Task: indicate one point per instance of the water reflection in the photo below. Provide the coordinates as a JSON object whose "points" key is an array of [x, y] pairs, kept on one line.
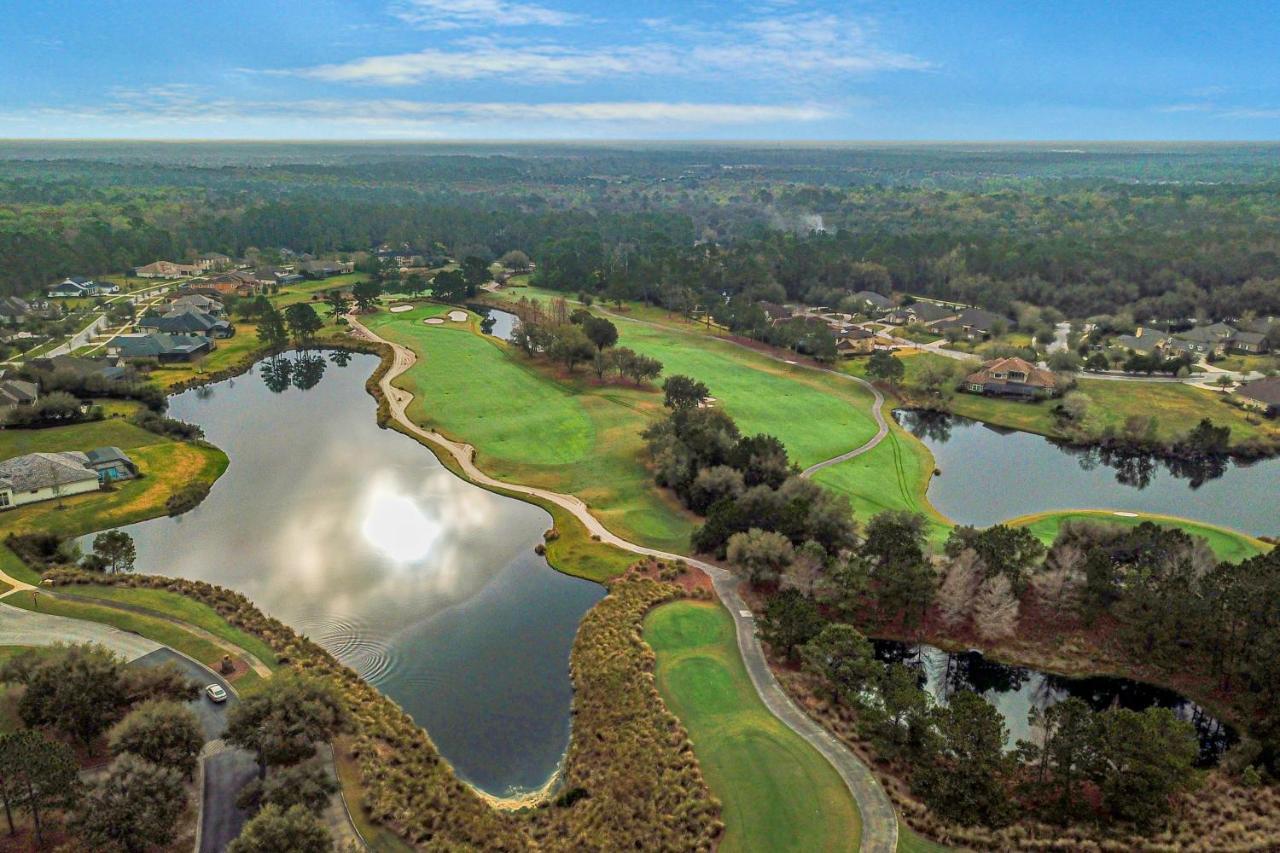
{"points": [[1017, 473], [1015, 690], [498, 323], [357, 536]]}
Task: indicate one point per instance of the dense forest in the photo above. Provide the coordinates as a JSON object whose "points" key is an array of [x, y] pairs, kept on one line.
{"points": [[1156, 232]]}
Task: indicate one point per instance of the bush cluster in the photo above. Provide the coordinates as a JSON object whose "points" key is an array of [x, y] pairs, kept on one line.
{"points": [[630, 781]]}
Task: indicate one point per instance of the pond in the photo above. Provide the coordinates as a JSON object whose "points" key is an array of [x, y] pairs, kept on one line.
{"points": [[426, 585], [990, 475], [1015, 690], [498, 323]]}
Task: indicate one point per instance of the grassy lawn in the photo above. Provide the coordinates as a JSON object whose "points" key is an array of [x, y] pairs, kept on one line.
{"points": [[165, 466], [303, 291], [159, 630], [180, 607], [1176, 407], [227, 353], [1226, 544], [778, 792], [567, 433], [529, 428], [111, 432], [893, 475]]}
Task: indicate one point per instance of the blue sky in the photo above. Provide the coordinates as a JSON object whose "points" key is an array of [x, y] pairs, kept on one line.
{"points": [[580, 69]]}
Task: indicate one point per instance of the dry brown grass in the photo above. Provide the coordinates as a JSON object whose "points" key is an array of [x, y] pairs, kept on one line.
{"points": [[630, 781]]}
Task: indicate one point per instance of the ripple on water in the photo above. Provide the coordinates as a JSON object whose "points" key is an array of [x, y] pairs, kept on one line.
{"points": [[354, 643]]}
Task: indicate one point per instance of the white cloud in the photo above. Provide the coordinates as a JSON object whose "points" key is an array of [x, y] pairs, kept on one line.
{"points": [[456, 14], [487, 58], [802, 47], [156, 109]]}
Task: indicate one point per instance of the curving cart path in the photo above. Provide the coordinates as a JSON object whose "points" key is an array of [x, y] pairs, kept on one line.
{"points": [[879, 821]]}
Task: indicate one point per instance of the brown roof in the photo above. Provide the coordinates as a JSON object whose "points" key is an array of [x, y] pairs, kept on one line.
{"points": [[998, 369], [1263, 390]]}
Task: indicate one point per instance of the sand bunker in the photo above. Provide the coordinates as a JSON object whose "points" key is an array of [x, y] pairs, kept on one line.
{"points": [[400, 309], [434, 321], [458, 316]]}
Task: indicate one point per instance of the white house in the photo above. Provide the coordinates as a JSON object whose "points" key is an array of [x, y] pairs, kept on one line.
{"points": [[45, 476]]}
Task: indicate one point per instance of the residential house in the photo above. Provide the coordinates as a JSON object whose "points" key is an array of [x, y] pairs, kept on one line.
{"points": [[84, 367], [189, 321], [1251, 343], [1144, 342], [166, 269], [198, 302], [111, 464], [239, 284], [213, 261], [918, 313], [163, 348], [1012, 377], [871, 302], [14, 310], [15, 393], [855, 341], [44, 476], [327, 269], [1262, 395], [775, 313], [973, 324], [1206, 340], [81, 286]]}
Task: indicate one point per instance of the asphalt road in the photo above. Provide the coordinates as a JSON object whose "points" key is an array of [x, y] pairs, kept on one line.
{"points": [[20, 627], [225, 773], [226, 770], [213, 717]]}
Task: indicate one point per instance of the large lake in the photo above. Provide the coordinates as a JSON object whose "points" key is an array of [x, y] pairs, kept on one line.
{"points": [[358, 537], [990, 475]]}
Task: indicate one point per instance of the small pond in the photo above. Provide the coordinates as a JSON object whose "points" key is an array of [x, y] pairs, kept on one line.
{"points": [[1015, 690], [990, 475], [498, 323], [358, 537]]}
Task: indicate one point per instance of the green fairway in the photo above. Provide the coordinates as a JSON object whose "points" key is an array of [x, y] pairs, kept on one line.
{"points": [[894, 475], [1226, 544], [528, 427], [778, 792], [816, 415]]}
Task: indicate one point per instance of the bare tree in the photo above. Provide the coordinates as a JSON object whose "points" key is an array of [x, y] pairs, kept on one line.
{"points": [[995, 609], [807, 569], [1059, 585], [960, 581]]}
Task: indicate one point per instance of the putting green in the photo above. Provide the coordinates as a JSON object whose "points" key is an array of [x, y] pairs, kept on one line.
{"points": [[778, 792], [1226, 544]]}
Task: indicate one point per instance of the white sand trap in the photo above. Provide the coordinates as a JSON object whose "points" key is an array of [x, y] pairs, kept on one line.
{"points": [[400, 309], [458, 316], [1126, 514], [434, 321]]}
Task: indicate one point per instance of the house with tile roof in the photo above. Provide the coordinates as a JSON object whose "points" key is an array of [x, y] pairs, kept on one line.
{"points": [[44, 476], [1012, 377]]}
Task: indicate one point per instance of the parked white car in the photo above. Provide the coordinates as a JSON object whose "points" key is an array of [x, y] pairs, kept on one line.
{"points": [[216, 693]]}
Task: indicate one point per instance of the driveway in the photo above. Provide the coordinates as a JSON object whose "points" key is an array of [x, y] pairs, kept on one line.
{"points": [[213, 717], [20, 627], [226, 769], [225, 773]]}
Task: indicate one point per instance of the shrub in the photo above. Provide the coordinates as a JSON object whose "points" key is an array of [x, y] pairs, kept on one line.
{"points": [[187, 498]]}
